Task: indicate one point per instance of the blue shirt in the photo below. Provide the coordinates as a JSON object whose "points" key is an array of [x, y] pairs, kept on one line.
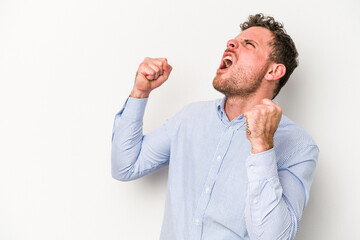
{"points": [[217, 189]]}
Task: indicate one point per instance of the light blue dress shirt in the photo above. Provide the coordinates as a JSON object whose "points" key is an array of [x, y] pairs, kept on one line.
{"points": [[217, 189]]}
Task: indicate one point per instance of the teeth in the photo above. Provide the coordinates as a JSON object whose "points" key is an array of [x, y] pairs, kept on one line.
{"points": [[228, 58], [227, 61]]}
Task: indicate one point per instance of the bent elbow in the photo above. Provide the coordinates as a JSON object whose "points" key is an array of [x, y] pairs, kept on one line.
{"points": [[119, 178], [120, 170], [118, 175]]}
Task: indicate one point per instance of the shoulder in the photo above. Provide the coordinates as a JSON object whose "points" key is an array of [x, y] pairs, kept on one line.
{"points": [[201, 105], [291, 131], [291, 139], [199, 109], [192, 113]]}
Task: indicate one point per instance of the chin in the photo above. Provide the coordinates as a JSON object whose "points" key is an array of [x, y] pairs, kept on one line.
{"points": [[219, 77], [217, 81], [219, 85]]}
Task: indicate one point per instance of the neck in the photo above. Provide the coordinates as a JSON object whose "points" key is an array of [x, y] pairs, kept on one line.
{"points": [[237, 105]]}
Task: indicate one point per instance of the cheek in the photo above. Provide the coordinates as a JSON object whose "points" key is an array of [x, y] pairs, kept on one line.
{"points": [[242, 70], [262, 60], [253, 65], [247, 61], [254, 57]]}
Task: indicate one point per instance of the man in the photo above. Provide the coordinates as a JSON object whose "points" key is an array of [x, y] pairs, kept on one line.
{"points": [[238, 168]]}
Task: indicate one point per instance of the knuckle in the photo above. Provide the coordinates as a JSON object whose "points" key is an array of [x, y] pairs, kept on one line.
{"points": [[251, 112], [272, 109], [142, 65], [158, 64], [162, 59], [266, 101], [151, 71], [155, 68], [254, 111]]}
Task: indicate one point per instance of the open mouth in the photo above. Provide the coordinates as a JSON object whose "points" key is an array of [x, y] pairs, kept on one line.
{"points": [[226, 62]]}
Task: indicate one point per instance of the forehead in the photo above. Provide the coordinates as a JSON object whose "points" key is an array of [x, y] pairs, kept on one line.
{"points": [[259, 34]]}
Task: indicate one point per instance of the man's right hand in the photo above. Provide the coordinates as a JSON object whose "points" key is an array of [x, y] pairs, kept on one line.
{"points": [[151, 74]]}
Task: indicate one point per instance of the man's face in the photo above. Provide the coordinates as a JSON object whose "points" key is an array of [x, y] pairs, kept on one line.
{"points": [[244, 63]]}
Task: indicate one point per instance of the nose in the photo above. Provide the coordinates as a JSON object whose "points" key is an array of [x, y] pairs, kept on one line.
{"points": [[232, 44]]}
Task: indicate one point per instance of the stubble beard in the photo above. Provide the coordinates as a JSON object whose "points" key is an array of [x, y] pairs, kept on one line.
{"points": [[241, 84]]}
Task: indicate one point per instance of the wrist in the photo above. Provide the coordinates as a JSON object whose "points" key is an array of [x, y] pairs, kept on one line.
{"points": [[258, 147], [139, 94]]}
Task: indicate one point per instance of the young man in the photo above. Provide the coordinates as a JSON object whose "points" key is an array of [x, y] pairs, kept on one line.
{"points": [[238, 168]]}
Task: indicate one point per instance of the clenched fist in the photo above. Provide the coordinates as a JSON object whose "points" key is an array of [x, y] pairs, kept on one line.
{"points": [[151, 74], [261, 124]]}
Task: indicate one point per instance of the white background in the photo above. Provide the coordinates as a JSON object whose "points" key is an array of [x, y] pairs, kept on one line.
{"points": [[66, 68]]}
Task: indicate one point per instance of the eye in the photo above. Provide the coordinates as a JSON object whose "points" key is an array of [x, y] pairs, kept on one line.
{"points": [[249, 43]]}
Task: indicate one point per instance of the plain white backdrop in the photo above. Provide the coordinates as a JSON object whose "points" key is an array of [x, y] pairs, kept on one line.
{"points": [[66, 68]]}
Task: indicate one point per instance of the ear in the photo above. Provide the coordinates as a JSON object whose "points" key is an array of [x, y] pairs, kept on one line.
{"points": [[275, 72]]}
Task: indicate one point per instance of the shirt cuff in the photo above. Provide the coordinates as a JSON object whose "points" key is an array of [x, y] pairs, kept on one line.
{"points": [[134, 108], [262, 166]]}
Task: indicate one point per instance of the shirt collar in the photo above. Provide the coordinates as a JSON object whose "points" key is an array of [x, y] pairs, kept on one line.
{"points": [[237, 122], [220, 103]]}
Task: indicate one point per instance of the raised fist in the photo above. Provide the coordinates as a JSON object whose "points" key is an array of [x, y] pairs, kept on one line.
{"points": [[151, 73], [261, 124]]}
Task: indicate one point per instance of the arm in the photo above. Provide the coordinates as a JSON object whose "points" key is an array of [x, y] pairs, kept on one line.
{"points": [[276, 197], [133, 154]]}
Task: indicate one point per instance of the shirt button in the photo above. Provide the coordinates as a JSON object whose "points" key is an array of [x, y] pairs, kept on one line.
{"points": [[207, 190], [230, 127], [218, 157], [197, 221], [252, 168], [255, 201]]}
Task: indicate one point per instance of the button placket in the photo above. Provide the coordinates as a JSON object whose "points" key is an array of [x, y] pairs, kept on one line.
{"points": [[216, 163]]}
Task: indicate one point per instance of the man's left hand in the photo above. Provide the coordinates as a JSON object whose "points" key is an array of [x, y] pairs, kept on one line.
{"points": [[261, 123]]}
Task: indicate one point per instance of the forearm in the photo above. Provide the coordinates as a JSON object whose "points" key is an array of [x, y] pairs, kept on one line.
{"points": [[268, 214], [134, 154], [127, 138], [272, 219]]}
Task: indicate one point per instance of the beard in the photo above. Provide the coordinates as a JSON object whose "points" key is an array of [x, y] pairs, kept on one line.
{"points": [[242, 83]]}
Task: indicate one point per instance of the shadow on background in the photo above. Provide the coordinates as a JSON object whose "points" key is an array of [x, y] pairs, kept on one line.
{"points": [[291, 99]]}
